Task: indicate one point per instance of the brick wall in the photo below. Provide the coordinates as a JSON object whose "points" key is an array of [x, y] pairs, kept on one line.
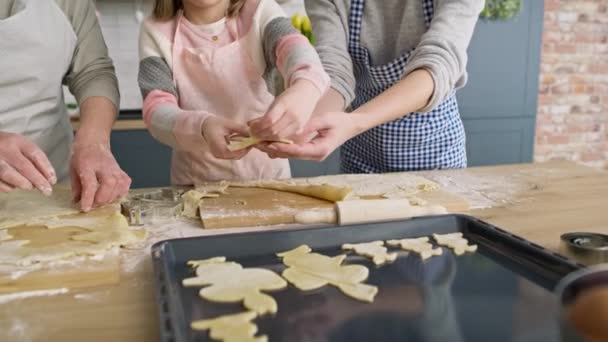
{"points": [[572, 118]]}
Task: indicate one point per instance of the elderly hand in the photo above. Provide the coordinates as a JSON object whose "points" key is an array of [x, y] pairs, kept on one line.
{"points": [[23, 165], [96, 177]]}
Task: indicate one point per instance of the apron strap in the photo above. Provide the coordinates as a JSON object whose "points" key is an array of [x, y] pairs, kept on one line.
{"points": [[354, 22]]}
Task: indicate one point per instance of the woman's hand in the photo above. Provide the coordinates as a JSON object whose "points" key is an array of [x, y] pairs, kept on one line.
{"points": [[320, 137], [217, 131], [23, 165], [288, 114], [97, 179]]}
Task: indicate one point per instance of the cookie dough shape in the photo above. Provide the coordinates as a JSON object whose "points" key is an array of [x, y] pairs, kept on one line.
{"points": [[238, 143], [321, 191], [231, 328], [310, 271], [375, 250], [229, 282], [87, 234], [420, 246], [456, 242]]}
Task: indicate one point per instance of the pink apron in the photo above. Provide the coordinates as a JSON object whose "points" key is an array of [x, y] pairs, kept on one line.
{"points": [[223, 81]]}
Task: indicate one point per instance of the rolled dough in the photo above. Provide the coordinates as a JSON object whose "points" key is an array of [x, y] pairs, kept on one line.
{"points": [[82, 234], [231, 328], [20, 207], [310, 271], [375, 250], [238, 143], [229, 282], [322, 191]]}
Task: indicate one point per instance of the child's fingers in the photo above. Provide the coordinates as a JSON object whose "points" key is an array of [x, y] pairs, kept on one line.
{"points": [[234, 127], [269, 119]]}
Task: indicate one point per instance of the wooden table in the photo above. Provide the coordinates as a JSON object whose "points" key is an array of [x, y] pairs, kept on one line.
{"points": [[536, 201]]}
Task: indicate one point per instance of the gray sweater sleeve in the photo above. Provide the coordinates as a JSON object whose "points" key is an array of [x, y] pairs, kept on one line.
{"points": [[91, 72], [443, 48], [331, 40]]}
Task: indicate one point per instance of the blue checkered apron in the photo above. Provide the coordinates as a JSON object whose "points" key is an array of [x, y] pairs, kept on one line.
{"points": [[418, 141]]}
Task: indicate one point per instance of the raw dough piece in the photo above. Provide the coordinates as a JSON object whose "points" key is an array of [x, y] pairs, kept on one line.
{"points": [[4, 235], [421, 246], [238, 143], [20, 207], [374, 250], [82, 234], [231, 328], [213, 188], [310, 271], [366, 186], [191, 201], [230, 282], [456, 242], [322, 191]]}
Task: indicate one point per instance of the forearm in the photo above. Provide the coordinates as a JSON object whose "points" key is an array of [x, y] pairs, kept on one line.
{"points": [[97, 115], [406, 96], [332, 101]]}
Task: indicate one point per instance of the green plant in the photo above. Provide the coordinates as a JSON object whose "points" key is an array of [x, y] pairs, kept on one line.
{"points": [[501, 9]]}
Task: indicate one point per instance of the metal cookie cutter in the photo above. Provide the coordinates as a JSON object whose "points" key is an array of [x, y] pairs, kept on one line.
{"points": [[146, 207], [589, 248]]}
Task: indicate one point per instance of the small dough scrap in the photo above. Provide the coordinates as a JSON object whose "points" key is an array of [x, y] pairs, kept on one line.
{"points": [[231, 328], [420, 246], [238, 143], [427, 186], [310, 271], [456, 242], [229, 282], [191, 201], [374, 250], [322, 191], [213, 188]]}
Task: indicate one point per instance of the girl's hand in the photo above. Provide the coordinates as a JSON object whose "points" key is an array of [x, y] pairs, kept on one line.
{"points": [[321, 136], [289, 112], [217, 131]]}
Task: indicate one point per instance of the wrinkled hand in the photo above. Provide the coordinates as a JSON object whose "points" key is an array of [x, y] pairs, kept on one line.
{"points": [[96, 177], [288, 114], [321, 136], [217, 131], [23, 165]]}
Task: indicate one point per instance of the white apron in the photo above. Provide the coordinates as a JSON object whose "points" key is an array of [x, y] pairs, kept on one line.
{"points": [[36, 47]]}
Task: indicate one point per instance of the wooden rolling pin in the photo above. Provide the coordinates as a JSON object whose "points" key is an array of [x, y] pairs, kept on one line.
{"points": [[362, 211]]}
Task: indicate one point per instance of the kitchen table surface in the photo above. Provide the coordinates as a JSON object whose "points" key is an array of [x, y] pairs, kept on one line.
{"points": [[536, 201]]}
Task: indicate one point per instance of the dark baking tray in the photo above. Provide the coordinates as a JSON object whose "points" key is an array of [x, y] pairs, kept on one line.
{"points": [[503, 292]]}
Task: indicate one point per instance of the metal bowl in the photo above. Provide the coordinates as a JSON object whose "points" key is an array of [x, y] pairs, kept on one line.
{"points": [[570, 289]]}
